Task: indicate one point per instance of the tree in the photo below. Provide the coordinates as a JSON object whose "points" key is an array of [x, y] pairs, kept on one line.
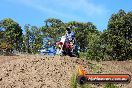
{"points": [[26, 39], [53, 28], [11, 34], [36, 39], [83, 33], [118, 36], [33, 39]]}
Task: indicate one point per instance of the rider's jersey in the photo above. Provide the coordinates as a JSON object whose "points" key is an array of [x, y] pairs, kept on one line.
{"points": [[70, 36]]}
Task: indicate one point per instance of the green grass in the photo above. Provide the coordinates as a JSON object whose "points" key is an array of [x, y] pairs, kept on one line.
{"points": [[110, 85], [73, 83], [85, 86]]}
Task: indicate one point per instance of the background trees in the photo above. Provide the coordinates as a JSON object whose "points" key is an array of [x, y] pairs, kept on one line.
{"points": [[115, 42], [117, 39], [53, 28], [83, 32], [10, 35], [32, 40]]}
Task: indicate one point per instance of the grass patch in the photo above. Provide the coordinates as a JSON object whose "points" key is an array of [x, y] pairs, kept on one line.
{"points": [[83, 55], [85, 86], [73, 83], [110, 85]]}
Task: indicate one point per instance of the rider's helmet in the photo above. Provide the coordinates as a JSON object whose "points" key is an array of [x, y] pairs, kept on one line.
{"points": [[68, 30]]}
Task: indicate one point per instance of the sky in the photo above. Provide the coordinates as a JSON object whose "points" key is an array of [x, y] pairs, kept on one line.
{"points": [[34, 12]]}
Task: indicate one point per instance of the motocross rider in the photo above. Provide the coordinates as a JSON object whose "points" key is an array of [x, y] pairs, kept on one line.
{"points": [[69, 34], [70, 37]]}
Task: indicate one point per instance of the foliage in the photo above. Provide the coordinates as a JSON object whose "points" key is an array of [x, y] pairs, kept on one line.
{"points": [[32, 40], [109, 85], [73, 83], [85, 86], [117, 39], [10, 34], [82, 33], [114, 43], [53, 28]]}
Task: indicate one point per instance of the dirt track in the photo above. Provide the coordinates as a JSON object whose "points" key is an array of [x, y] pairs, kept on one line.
{"points": [[35, 71]]}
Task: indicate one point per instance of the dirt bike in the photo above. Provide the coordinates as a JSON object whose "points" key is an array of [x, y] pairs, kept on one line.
{"points": [[67, 47]]}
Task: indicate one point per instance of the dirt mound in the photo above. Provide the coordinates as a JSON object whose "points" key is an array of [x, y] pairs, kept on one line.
{"points": [[37, 71]]}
